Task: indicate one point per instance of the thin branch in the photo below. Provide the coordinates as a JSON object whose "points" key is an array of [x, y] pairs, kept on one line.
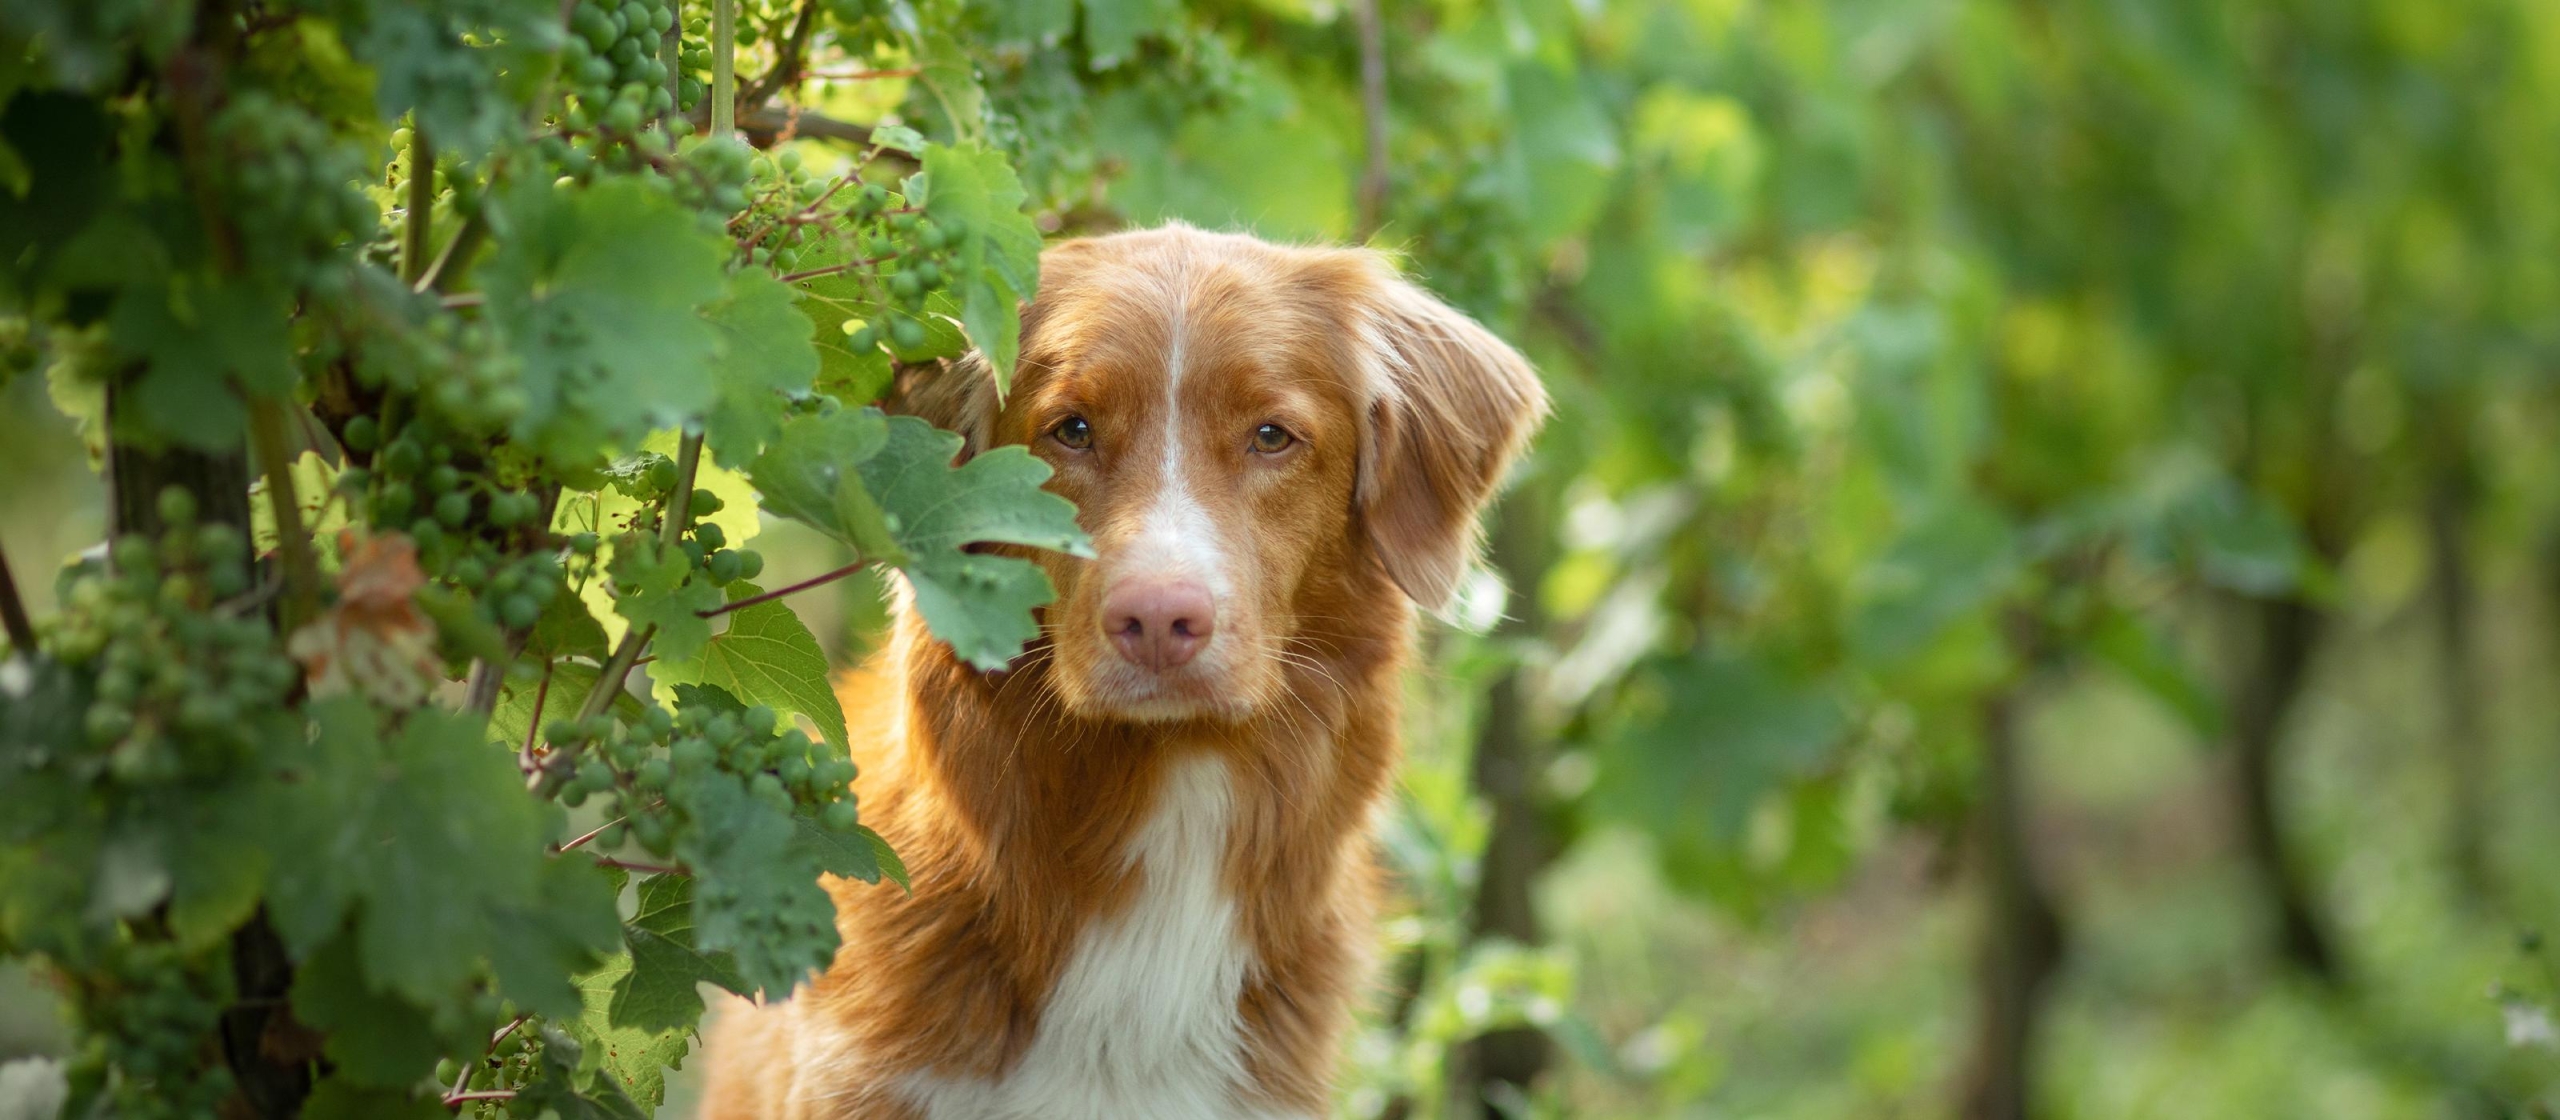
{"points": [[1373, 115], [642, 868], [465, 241], [616, 667], [791, 62], [533, 724], [457, 1100], [415, 225], [830, 270], [13, 613], [591, 834], [460, 300], [794, 589], [293, 544], [677, 514]]}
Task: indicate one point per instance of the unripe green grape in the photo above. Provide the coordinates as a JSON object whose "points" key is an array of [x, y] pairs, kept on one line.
{"points": [[768, 789], [361, 434], [393, 501], [426, 534], [585, 544], [519, 611], [864, 339], [444, 477], [706, 503], [662, 476], [624, 116], [690, 755], [710, 535], [905, 285], [841, 816], [907, 333], [652, 775], [929, 274], [453, 509], [750, 563], [177, 507], [404, 457], [760, 721]]}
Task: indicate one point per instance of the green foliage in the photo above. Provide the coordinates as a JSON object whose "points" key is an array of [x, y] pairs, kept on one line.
{"points": [[475, 255]]}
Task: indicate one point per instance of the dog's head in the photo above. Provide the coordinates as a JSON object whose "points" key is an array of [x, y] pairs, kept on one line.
{"points": [[1259, 438]]}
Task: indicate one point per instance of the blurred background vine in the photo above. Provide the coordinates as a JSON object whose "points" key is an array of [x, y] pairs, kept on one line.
{"points": [[2041, 595]]}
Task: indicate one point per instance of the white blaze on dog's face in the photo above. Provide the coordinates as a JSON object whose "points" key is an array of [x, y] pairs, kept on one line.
{"points": [[1261, 439]]}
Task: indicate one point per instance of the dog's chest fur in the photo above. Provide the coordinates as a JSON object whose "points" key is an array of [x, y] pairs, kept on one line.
{"points": [[1143, 1021]]}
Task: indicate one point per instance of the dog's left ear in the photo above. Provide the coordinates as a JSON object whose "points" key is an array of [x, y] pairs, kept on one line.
{"points": [[1450, 407]]}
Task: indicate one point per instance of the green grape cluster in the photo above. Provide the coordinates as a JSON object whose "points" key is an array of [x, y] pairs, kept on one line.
{"points": [[717, 184], [458, 193], [457, 371], [467, 527], [180, 678], [145, 1015], [921, 250], [650, 478], [611, 62], [293, 185], [512, 1063], [649, 769]]}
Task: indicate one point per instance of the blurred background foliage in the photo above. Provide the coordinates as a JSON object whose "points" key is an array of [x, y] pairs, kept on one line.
{"points": [[2038, 598]]}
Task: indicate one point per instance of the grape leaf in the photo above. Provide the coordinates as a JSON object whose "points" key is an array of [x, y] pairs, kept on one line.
{"points": [[765, 359], [859, 854], [756, 894], [635, 1061], [769, 657], [598, 288], [374, 1038], [979, 602], [1112, 28], [427, 831], [996, 266], [799, 475], [572, 1083], [534, 951], [658, 992], [656, 586]]}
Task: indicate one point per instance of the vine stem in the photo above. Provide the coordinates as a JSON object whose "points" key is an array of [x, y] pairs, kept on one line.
{"points": [[533, 724], [677, 514], [794, 589], [301, 568], [724, 67], [415, 226], [13, 612], [453, 1099]]}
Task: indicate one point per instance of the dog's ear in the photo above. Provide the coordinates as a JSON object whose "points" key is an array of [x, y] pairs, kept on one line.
{"points": [[1450, 406], [958, 394]]}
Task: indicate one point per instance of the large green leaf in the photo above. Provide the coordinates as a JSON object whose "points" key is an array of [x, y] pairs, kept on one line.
{"points": [[600, 290], [996, 267], [766, 358], [767, 656]]}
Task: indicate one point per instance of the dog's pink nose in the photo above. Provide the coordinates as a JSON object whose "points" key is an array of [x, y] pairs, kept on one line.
{"points": [[1159, 624]]}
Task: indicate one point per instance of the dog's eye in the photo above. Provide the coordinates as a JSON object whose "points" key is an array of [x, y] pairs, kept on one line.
{"points": [[1272, 439], [1073, 433]]}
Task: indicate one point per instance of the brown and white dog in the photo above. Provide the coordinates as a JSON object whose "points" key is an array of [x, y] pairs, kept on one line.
{"points": [[1143, 868]]}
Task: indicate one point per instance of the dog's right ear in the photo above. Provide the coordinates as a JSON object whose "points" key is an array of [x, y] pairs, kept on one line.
{"points": [[958, 394]]}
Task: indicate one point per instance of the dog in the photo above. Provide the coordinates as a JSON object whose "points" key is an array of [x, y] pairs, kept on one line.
{"points": [[1143, 863]]}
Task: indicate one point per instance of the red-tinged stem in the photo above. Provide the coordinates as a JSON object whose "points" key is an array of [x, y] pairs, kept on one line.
{"points": [[794, 589], [533, 725], [453, 1100], [643, 868]]}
